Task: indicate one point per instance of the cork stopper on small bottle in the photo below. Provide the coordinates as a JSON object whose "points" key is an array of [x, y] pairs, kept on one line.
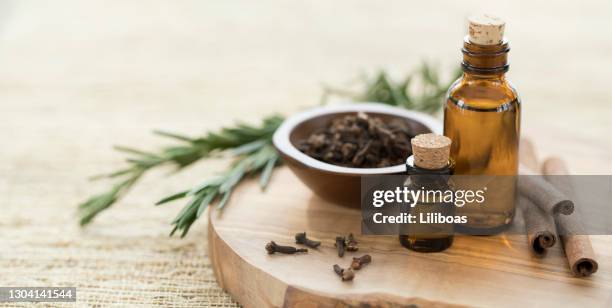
{"points": [[486, 29], [431, 151]]}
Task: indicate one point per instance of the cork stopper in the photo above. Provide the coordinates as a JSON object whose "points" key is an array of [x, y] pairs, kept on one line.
{"points": [[486, 29], [431, 151]]}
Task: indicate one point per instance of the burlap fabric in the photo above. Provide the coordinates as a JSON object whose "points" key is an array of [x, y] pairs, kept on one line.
{"points": [[125, 258]]}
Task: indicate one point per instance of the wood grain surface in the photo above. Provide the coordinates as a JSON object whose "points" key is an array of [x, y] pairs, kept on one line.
{"points": [[497, 271]]}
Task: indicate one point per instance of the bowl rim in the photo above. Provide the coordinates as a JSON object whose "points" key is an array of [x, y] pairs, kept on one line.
{"points": [[283, 144]]}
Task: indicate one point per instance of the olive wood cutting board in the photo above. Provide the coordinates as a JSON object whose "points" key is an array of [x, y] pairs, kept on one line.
{"points": [[476, 271]]}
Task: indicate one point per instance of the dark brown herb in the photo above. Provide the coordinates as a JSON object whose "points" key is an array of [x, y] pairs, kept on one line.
{"points": [[272, 247], [351, 243], [358, 263], [340, 245], [360, 141], [300, 238], [345, 274]]}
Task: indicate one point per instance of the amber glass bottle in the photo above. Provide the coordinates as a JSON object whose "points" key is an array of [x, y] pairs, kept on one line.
{"points": [[482, 117], [428, 237], [428, 169]]}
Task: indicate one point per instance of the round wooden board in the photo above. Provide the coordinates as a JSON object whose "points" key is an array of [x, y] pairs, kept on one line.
{"points": [[482, 271]]}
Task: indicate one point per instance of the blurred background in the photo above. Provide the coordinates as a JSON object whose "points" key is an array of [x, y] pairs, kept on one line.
{"points": [[77, 77]]}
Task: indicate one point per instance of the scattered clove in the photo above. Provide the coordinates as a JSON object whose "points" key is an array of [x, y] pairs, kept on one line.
{"points": [[340, 245], [345, 274], [351, 243], [272, 247], [358, 263], [300, 238]]}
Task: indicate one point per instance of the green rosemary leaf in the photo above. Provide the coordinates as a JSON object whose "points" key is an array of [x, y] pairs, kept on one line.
{"points": [[235, 175], [429, 74], [186, 229], [173, 230], [186, 209], [188, 216], [214, 181], [257, 161], [183, 156], [173, 135], [100, 203], [249, 147], [112, 174], [261, 161], [173, 197], [429, 97], [204, 204], [134, 151], [90, 208], [266, 174], [224, 200], [398, 97], [140, 163]]}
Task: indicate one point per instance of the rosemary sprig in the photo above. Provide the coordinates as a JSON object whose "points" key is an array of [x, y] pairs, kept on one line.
{"points": [[422, 90], [192, 150], [256, 157], [251, 148]]}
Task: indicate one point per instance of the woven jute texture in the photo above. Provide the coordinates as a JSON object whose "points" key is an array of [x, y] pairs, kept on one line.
{"points": [[118, 261]]}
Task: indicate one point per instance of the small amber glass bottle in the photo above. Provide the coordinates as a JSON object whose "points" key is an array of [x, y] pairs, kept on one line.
{"points": [[428, 169], [482, 117]]}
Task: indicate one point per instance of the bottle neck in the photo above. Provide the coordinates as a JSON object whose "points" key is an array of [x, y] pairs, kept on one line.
{"points": [[413, 169], [495, 77], [485, 60]]}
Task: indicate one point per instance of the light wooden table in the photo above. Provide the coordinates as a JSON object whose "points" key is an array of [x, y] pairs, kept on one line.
{"points": [[77, 77]]}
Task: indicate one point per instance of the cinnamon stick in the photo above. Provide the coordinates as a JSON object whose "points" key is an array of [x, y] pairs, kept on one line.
{"points": [[550, 199], [540, 227], [538, 190], [575, 241]]}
